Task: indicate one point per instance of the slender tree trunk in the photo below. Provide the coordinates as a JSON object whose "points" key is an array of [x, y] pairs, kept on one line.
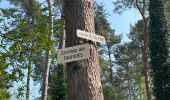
{"points": [[145, 61], [31, 16], [63, 38], [129, 90], [28, 76], [83, 83], [142, 11], [48, 53], [110, 64], [111, 70], [45, 79], [28, 82]]}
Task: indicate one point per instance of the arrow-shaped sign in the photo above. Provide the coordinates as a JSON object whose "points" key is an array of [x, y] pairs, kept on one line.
{"points": [[90, 36]]}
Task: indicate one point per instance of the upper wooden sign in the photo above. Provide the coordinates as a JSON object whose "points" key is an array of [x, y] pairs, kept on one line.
{"points": [[90, 36]]}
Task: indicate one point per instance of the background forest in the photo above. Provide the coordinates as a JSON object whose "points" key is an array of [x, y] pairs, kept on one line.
{"points": [[31, 32]]}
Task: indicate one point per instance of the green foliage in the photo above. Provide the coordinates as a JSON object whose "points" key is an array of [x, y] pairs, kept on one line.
{"points": [[122, 5], [128, 70], [130, 76], [159, 45], [167, 11], [109, 93], [102, 27], [4, 80], [58, 85], [4, 94], [136, 34], [106, 52], [24, 36]]}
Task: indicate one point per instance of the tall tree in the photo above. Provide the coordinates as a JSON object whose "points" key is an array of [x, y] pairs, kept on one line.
{"points": [[142, 6], [158, 43], [129, 72], [48, 53], [83, 83]]}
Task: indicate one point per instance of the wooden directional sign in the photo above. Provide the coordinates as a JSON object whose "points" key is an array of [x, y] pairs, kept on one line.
{"points": [[74, 53], [90, 36]]}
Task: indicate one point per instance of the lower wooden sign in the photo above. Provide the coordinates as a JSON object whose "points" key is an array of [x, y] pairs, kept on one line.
{"points": [[73, 53]]}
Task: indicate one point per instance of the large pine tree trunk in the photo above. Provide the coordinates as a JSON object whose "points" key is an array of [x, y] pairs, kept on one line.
{"points": [[83, 83]]}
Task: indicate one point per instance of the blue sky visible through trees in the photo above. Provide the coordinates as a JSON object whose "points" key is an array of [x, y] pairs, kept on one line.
{"points": [[120, 22]]}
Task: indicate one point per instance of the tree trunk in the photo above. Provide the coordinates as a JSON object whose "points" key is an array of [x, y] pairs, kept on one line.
{"points": [[28, 76], [28, 82], [110, 64], [142, 11], [47, 64], [31, 16], [45, 78], [83, 83], [145, 61]]}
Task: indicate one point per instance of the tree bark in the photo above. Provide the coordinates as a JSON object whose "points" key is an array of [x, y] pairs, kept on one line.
{"points": [[145, 61], [45, 78], [83, 83], [47, 64]]}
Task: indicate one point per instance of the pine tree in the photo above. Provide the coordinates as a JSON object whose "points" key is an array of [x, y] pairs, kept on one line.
{"points": [[83, 83], [158, 43]]}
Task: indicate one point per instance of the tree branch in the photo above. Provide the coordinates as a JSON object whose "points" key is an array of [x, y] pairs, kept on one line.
{"points": [[141, 11], [4, 48]]}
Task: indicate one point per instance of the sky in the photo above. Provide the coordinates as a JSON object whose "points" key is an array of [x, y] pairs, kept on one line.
{"points": [[121, 24]]}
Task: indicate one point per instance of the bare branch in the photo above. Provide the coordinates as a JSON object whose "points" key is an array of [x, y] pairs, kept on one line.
{"points": [[59, 4], [4, 48], [141, 10]]}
